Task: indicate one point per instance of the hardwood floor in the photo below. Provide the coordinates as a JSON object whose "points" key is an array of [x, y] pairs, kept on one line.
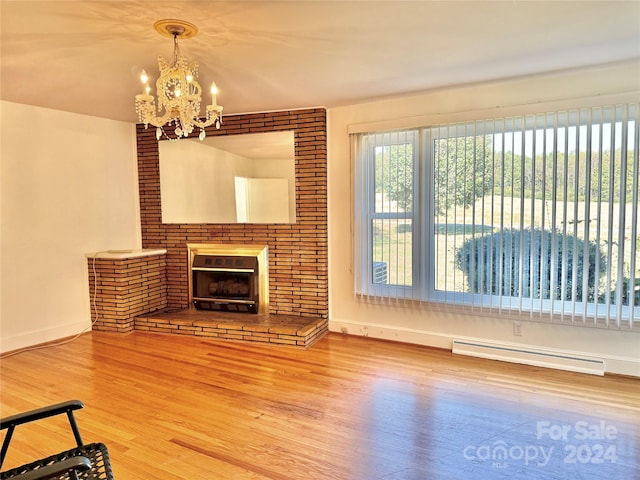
{"points": [[174, 407]]}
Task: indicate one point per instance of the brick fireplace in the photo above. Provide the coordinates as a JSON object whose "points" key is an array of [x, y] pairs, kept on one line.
{"points": [[298, 258]]}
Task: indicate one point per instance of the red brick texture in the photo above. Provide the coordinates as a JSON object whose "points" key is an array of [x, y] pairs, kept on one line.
{"points": [[122, 289], [298, 258], [285, 330]]}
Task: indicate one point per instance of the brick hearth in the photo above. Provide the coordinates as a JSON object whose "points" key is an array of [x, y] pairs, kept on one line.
{"points": [[272, 329], [128, 293]]}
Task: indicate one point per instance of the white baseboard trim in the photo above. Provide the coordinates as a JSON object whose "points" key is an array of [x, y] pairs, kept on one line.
{"points": [[611, 363], [38, 337], [383, 332]]}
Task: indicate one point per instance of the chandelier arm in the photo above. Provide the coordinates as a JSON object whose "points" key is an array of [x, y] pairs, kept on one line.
{"points": [[206, 123], [158, 121]]}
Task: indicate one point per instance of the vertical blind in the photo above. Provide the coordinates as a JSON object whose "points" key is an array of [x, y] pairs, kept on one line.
{"points": [[534, 215], [386, 174]]}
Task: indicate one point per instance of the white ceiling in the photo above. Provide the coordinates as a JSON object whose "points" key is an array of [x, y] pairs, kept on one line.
{"points": [[85, 56]]}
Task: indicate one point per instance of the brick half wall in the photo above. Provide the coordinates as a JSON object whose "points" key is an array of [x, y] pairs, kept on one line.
{"points": [[298, 257], [122, 289]]}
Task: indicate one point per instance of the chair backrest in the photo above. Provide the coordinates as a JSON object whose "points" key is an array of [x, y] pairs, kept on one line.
{"points": [[10, 423]]}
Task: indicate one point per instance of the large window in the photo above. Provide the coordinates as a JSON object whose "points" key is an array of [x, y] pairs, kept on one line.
{"points": [[535, 215]]}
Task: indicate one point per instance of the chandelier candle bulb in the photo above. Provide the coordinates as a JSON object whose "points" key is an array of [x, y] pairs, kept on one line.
{"points": [[214, 92], [144, 79]]}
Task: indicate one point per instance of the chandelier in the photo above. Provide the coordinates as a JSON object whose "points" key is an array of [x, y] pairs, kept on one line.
{"points": [[177, 89]]}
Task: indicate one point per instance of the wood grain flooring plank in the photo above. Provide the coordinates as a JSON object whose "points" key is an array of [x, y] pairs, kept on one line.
{"points": [[349, 408]]}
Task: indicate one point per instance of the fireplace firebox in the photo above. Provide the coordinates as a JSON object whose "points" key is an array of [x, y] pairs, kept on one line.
{"points": [[229, 278], [224, 282]]}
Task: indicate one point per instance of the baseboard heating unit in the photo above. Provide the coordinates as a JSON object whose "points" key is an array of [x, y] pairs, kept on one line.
{"points": [[529, 356]]}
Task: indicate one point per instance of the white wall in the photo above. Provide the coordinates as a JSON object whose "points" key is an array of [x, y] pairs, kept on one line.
{"points": [[620, 350], [68, 188]]}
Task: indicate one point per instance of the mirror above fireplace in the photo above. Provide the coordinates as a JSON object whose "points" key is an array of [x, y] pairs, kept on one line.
{"points": [[217, 180]]}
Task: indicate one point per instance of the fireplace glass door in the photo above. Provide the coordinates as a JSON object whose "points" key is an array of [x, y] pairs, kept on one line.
{"points": [[227, 283]]}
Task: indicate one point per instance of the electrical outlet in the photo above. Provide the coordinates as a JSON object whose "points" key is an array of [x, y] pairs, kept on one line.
{"points": [[517, 329]]}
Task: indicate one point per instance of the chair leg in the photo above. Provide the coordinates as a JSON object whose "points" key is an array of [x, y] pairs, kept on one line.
{"points": [[74, 427], [5, 444]]}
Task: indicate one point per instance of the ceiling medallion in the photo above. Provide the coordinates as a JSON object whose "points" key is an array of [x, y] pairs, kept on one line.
{"points": [[177, 89]]}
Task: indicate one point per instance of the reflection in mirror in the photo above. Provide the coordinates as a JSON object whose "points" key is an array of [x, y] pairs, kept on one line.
{"points": [[247, 178], [250, 204]]}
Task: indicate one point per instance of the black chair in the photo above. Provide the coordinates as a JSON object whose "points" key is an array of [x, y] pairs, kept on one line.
{"points": [[84, 462]]}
